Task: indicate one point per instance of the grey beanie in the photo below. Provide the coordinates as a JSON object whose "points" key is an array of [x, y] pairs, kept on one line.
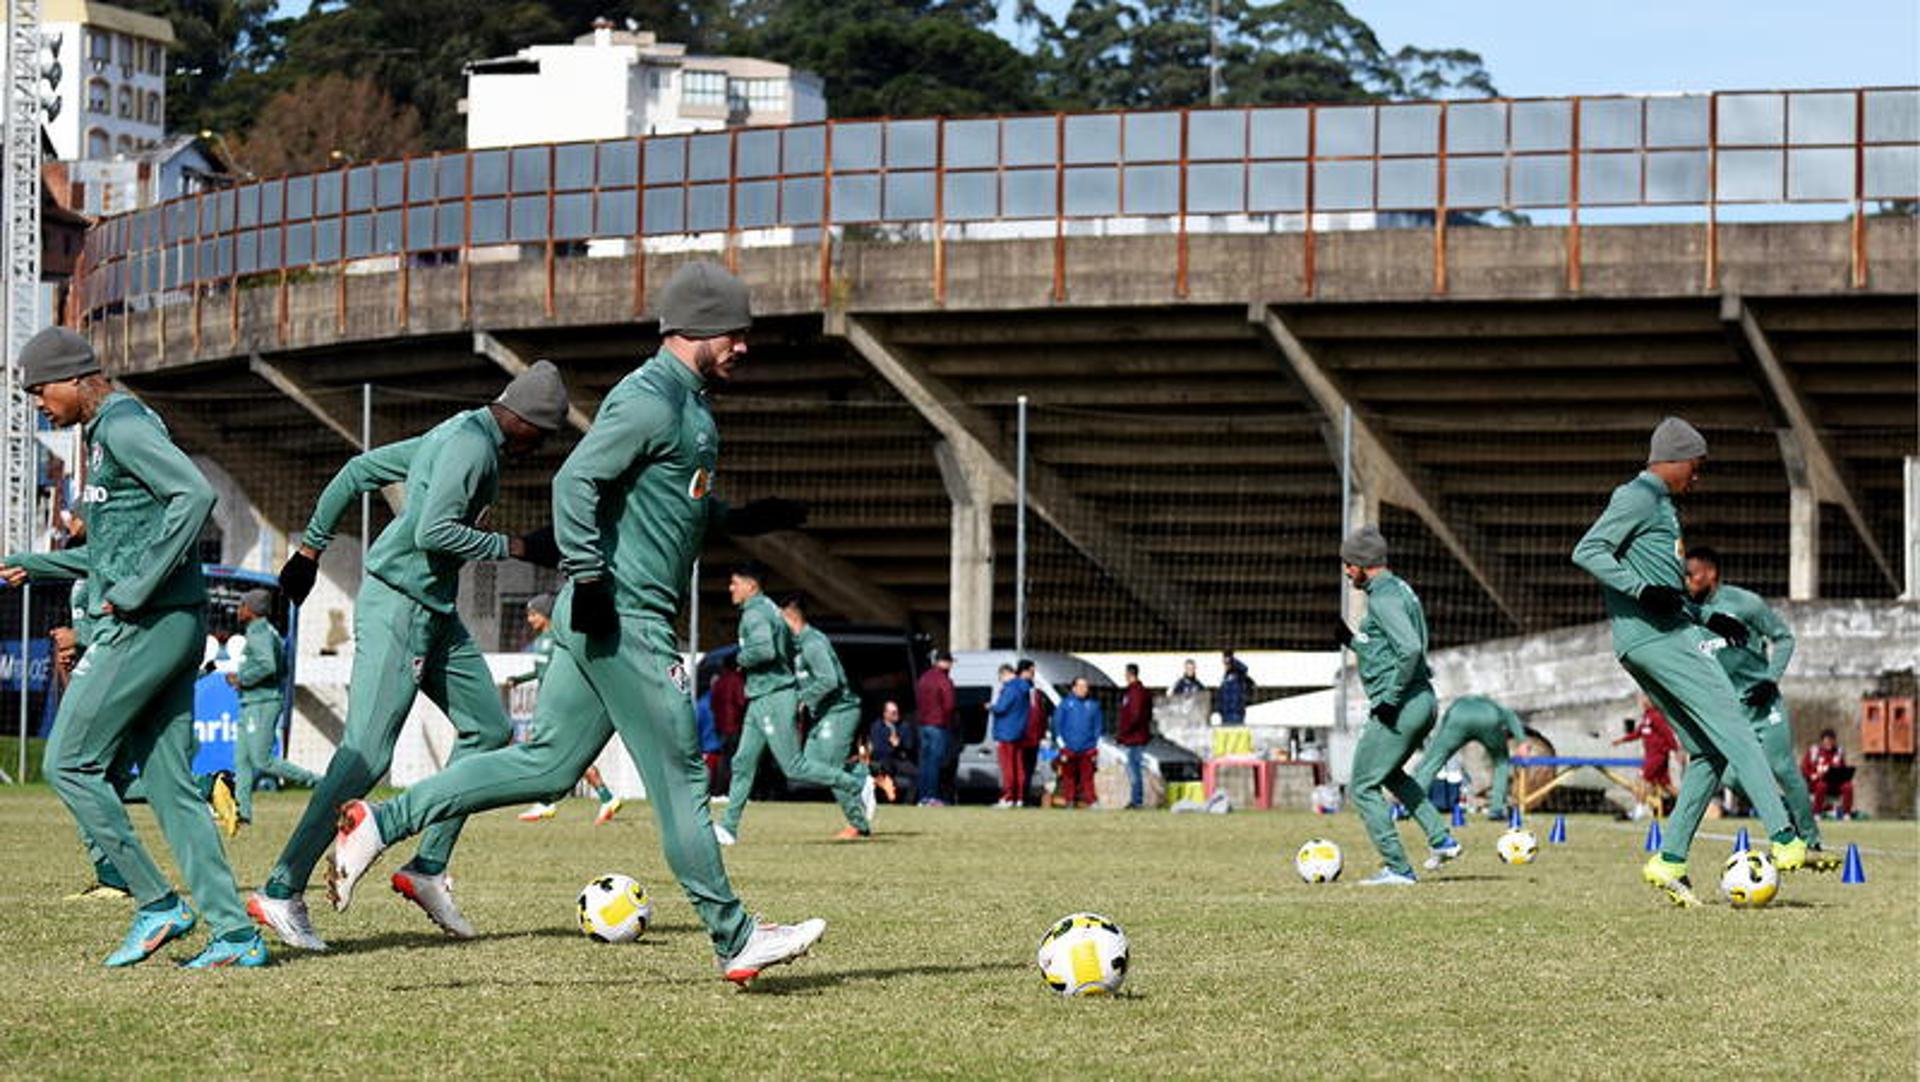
{"points": [[1676, 441], [542, 604], [702, 300], [260, 601], [56, 354], [538, 396], [1365, 547]]}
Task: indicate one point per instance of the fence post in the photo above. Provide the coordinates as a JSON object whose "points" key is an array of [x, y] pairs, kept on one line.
{"points": [[1346, 527]]}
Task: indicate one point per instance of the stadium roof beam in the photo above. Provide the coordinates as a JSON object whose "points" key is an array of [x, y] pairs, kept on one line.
{"points": [[1825, 469], [298, 393], [1397, 478], [1079, 522], [802, 558]]}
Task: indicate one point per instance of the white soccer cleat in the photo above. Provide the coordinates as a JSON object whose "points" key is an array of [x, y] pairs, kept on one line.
{"points": [[608, 810], [434, 895], [537, 813], [772, 945], [1387, 877], [355, 847], [723, 835], [1443, 854], [868, 802], [288, 918]]}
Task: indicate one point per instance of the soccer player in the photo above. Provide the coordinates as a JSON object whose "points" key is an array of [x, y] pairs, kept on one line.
{"points": [[770, 658], [540, 619], [1485, 722], [632, 505], [1391, 645], [1755, 668], [130, 701], [835, 711], [408, 637], [1657, 745], [259, 681], [1635, 550]]}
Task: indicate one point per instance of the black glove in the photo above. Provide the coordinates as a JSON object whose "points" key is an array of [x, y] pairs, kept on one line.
{"points": [[593, 608], [1728, 627], [539, 549], [1387, 713], [1662, 600], [1763, 693], [297, 576], [1342, 634], [766, 516]]}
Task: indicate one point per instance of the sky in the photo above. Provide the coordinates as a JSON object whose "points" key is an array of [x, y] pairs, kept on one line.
{"points": [[1560, 47]]}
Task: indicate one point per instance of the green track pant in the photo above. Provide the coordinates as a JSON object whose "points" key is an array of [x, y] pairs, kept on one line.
{"points": [[1693, 691], [1775, 730], [253, 754], [829, 743], [133, 691], [401, 648], [633, 685], [770, 726], [1451, 738], [1377, 763]]}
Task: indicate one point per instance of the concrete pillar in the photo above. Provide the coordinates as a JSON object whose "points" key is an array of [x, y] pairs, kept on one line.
{"points": [[1912, 518], [1803, 522], [969, 483]]}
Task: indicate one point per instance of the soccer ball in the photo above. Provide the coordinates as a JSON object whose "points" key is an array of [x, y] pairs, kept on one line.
{"points": [[1517, 847], [1750, 881], [1084, 955], [1318, 861], [614, 909]]}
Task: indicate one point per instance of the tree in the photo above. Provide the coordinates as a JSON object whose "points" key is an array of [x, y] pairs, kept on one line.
{"points": [[320, 122]]}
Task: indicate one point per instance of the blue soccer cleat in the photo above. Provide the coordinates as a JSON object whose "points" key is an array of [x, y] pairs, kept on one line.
{"points": [[1387, 877], [152, 930], [250, 953]]}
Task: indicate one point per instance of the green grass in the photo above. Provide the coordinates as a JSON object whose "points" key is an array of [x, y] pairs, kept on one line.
{"points": [[1565, 967], [10, 757]]}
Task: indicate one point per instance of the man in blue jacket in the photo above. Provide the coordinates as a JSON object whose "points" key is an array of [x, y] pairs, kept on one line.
{"points": [[1236, 687], [1078, 725], [1009, 713]]}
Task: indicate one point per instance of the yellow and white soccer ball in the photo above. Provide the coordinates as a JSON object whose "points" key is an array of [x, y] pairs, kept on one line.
{"points": [[1084, 955], [1318, 861], [1750, 879], [1517, 847], [615, 909]]}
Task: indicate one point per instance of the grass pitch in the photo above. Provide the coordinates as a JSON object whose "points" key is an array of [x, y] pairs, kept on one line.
{"points": [[1565, 967]]}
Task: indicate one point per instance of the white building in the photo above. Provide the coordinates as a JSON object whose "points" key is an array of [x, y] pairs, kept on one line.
{"points": [[609, 84], [113, 78]]}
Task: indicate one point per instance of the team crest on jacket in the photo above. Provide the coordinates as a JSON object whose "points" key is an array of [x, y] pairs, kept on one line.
{"points": [[96, 455], [700, 484], [419, 669], [677, 673]]}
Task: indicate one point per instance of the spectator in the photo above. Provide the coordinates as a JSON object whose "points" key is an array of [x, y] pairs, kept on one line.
{"points": [[1657, 745], [1189, 682], [1828, 774], [727, 698], [1236, 687], [1136, 731], [1078, 724], [1009, 710], [895, 750], [1039, 714], [938, 715]]}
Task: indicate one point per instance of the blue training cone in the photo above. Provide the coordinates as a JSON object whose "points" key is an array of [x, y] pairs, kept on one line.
{"points": [[1854, 871], [1742, 841], [1513, 817], [1459, 815], [1653, 837], [1558, 835]]}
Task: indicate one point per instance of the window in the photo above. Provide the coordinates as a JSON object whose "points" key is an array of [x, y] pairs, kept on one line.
{"points": [[761, 95], [126, 53], [123, 144], [99, 47], [703, 88], [153, 107], [126, 103], [156, 60], [99, 97], [98, 146]]}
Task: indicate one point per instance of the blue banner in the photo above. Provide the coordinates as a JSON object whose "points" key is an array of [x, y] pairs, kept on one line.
{"points": [[216, 723], [39, 664]]}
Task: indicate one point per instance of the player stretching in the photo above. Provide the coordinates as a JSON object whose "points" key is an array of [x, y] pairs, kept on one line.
{"points": [[1755, 669], [631, 507], [1391, 645], [1635, 551], [835, 711], [540, 619], [1483, 721], [407, 636], [130, 702]]}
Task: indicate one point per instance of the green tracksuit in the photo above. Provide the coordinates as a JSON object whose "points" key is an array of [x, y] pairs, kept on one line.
{"points": [[1635, 544], [1764, 658], [1485, 722], [631, 505], [408, 639], [542, 650], [836, 721], [1391, 644], [130, 702], [259, 680]]}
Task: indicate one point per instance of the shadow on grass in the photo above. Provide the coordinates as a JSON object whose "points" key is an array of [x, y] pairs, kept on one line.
{"points": [[784, 983]]}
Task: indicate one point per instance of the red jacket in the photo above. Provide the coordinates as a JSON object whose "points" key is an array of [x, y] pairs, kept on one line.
{"points": [[729, 702], [933, 696], [1136, 715], [1038, 711]]}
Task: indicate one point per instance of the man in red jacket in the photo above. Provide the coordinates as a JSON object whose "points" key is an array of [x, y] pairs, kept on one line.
{"points": [[938, 714], [1828, 774], [1136, 730], [729, 704]]}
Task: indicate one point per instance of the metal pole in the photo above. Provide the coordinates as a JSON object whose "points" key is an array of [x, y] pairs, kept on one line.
{"points": [[25, 670], [1346, 527], [1020, 535], [1213, 53], [366, 444]]}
